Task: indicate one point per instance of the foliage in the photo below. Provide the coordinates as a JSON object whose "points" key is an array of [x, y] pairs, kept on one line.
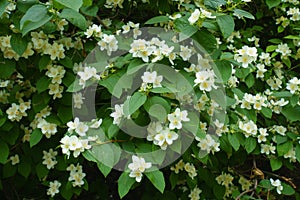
{"points": [[151, 98]]}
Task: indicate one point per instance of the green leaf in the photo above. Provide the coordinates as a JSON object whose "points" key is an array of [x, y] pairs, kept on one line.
{"points": [[124, 184], [271, 48], [157, 107], [224, 69], [135, 65], [3, 5], [35, 17], [284, 148], [272, 3], [35, 137], [266, 184], [158, 19], [250, 80], [234, 141], [287, 189], [214, 4], [44, 62], [73, 4], [24, 168], [226, 24], [282, 94], [186, 30], [250, 144], [243, 13], [105, 170], [298, 152], [134, 103], [42, 84], [7, 68], [287, 62], [292, 37], [41, 170], [242, 72], [74, 17], [267, 112], [294, 100], [4, 152], [206, 39], [275, 164], [157, 179], [291, 113], [90, 11], [18, 43]]}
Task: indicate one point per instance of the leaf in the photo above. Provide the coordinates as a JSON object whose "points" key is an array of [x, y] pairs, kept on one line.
{"points": [[224, 69], [18, 43], [74, 17], [41, 170], [24, 168], [35, 137], [234, 141], [73, 4], [250, 80], [272, 3], [275, 164], [243, 13], [206, 39], [186, 30], [105, 170], [158, 19], [134, 103], [3, 5], [282, 94], [284, 148], [287, 189], [4, 152], [135, 65], [44, 62], [298, 152], [226, 24], [250, 144], [291, 113], [7, 68], [157, 107], [157, 179], [35, 17], [267, 112], [214, 4], [124, 184], [42, 84]]}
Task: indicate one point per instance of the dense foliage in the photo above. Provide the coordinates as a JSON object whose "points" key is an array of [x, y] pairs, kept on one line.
{"points": [[149, 99]]}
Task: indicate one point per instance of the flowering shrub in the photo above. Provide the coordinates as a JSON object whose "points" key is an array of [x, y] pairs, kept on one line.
{"points": [[174, 99]]}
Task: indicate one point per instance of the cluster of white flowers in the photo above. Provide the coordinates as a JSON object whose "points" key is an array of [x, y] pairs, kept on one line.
{"points": [[151, 78], [9, 53], [49, 158], [156, 48], [220, 127], [78, 144], [274, 82], [136, 31], [284, 49], [78, 100], [246, 55], [87, 73], [137, 167], [47, 128], [295, 14], [53, 188], [161, 136], [245, 183], [14, 159], [256, 102], [267, 149], [202, 13], [206, 80], [188, 167], [195, 194], [249, 128], [226, 180], [208, 144], [293, 85], [76, 175], [94, 30], [17, 112], [56, 73], [176, 118], [114, 3], [262, 135], [277, 184], [108, 43]]}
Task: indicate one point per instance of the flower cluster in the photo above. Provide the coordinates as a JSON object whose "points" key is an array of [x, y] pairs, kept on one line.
{"points": [[49, 158], [86, 74], [276, 183], [246, 55], [208, 144], [151, 78], [17, 112], [137, 167], [188, 167], [76, 175], [53, 188]]}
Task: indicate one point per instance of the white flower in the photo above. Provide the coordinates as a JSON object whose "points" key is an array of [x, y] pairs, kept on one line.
{"points": [[195, 16], [53, 188], [176, 117], [118, 114], [277, 184], [137, 167], [149, 77], [14, 159], [73, 125], [96, 123]]}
